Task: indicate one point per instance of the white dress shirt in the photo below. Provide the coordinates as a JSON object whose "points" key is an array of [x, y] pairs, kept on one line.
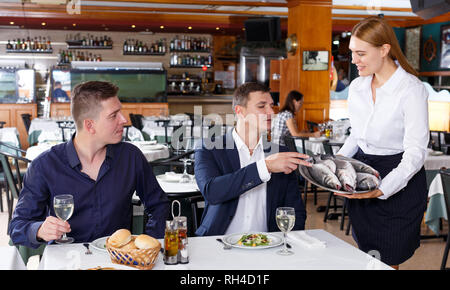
{"points": [[397, 122], [251, 212]]}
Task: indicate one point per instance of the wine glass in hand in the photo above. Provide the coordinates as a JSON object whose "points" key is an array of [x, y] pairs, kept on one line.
{"points": [[285, 217], [63, 206]]}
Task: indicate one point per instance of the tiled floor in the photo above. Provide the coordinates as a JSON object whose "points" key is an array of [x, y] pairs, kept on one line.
{"points": [[427, 257]]}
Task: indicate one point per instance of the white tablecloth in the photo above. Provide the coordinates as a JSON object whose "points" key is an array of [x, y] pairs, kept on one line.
{"points": [[436, 208], [436, 162], [10, 259], [151, 151], [205, 253], [10, 135], [176, 187], [43, 124]]}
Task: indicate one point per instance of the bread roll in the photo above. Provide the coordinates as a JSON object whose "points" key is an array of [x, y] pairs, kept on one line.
{"points": [[128, 247], [120, 238], [146, 242]]}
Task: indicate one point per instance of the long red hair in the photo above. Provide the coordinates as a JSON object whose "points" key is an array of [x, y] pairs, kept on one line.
{"points": [[376, 31]]}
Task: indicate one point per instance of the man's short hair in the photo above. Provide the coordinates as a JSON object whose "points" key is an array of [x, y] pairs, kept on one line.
{"points": [[87, 98], [242, 93]]}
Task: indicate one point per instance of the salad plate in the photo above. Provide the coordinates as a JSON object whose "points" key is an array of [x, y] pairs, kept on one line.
{"points": [[253, 241], [100, 244]]}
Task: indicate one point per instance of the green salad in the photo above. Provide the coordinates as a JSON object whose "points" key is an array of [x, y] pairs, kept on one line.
{"points": [[254, 240]]}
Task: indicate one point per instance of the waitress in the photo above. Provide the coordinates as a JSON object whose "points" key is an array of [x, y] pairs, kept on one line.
{"points": [[388, 111]]}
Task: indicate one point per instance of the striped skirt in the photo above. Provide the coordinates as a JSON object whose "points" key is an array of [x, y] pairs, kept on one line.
{"points": [[389, 228]]}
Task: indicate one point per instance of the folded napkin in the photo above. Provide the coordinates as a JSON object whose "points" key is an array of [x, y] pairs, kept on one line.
{"points": [[306, 240]]}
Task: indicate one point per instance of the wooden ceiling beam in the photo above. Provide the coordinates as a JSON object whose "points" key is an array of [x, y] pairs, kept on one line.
{"points": [[84, 9], [354, 7], [205, 2]]}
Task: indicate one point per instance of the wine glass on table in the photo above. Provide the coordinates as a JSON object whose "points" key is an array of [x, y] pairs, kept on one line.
{"points": [[185, 178], [285, 217], [63, 205]]}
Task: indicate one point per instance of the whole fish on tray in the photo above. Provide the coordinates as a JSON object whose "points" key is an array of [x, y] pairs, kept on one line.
{"points": [[360, 166], [328, 163], [346, 174], [341, 174], [322, 174], [366, 181]]}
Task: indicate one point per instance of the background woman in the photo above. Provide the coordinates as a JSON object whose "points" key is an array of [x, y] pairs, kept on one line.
{"points": [[388, 111], [285, 123]]}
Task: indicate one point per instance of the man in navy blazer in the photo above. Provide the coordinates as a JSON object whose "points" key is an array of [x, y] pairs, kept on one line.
{"points": [[243, 178]]}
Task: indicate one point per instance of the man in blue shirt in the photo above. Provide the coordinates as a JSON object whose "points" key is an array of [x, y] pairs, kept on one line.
{"points": [[99, 170], [59, 95]]}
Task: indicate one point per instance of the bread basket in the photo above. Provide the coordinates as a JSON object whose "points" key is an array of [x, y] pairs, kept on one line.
{"points": [[142, 259]]}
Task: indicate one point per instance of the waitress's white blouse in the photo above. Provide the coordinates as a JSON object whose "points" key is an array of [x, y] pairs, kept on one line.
{"points": [[397, 122]]}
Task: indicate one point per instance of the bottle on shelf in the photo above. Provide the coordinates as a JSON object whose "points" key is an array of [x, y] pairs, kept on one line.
{"points": [[67, 56]]}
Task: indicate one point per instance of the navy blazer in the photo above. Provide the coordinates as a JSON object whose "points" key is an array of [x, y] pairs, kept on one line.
{"points": [[221, 181]]}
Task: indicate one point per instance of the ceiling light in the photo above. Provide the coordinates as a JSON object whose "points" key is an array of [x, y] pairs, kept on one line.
{"points": [[43, 23], [190, 27], [162, 27], [74, 24], [133, 26], [12, 22], [217, 28]]}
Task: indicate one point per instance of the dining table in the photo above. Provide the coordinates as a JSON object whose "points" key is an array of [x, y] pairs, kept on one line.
{"points": [[435, 160], [205, 253], [10, 136], [11, 259]]}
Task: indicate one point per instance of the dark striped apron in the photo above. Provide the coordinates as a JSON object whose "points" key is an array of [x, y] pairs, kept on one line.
{"points": [[391, 226]]}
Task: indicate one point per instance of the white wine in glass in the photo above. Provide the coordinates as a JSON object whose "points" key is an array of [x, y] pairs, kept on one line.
{"points": [[63, 206], [285, 217]]}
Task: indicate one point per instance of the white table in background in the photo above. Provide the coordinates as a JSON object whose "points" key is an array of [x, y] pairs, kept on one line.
{"points": [[176, 187], [436, 162], [152, 151], [205, 253], [172, 188], [11, 259], [10, 135]]}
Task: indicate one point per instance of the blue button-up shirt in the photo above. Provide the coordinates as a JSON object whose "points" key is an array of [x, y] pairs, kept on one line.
{"points": [[102, 206]]}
